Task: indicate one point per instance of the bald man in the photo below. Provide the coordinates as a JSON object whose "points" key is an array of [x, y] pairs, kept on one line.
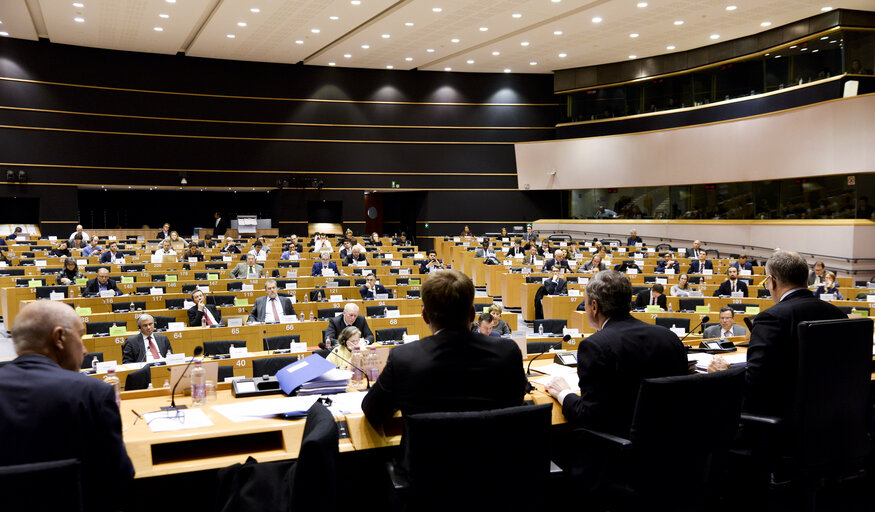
{"points": [[52, 412]]}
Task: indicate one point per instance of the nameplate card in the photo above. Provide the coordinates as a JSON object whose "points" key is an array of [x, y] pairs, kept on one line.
{"points": [[248, 288], [573, 292], [336, 298], [539, 262], [695, 293], [574, 333], [638, 256], [171, 278], [192, 259], [107, 293], [205, 289], [261, 257], [466, 244], [640, 263], [360, 263], [682, 250], [111, 237], [294, 299], [226, 258], [106, 366], [56, 296], [331, 284], [407, 338], [127, 279], [572, 263], [631, 271], [703, 309], [403, 271], [652, 308], [212, 277], [583, 280], [33, 283], [237, 351], [39, 263], [737, 295], [118, 330], [651, 250], [53, 238], [288, 319], [661, 280], [175, 326], [289, 286], [669, 271], [478, 293], [827, 296], [587, 244], [297, 347], [680, 331], [156, 258], [292, 273], [419, 256], [526, 270], [395, 263], [83, 311], [563, 244], [241, 302], [619, 249], [4, 264], [327, 272], [615, 244], [82, 282], [235, 322], [82, 261], [381, 296], [175, 358], [187, 304], [751, 310], [708, 272], [393, 313], [457, 239], [639, 244], [745, 273]]}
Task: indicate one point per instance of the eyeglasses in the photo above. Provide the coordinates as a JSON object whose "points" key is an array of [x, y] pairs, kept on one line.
{"points": [[172, 414], [765, 283]]}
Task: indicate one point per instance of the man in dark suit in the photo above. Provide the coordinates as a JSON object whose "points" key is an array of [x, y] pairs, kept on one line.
{"points": [[431, 264], [51, 412], [727, 326], [742, 264], [221, 224], [516, 250], [371, 288], [230, 246], [634, 238], [271, 307], [815, 278], [112, 255], [165, 232], [202, 313], [667, 262], [556, 285], [700, 264], [558, 260], [356, 257], [293, 241], [693, 252], [452, 370], [655, 296], [101, 283], [350, 317], [146, 346], [733, 284], [324, 263], [595, 264], [772, 356]]}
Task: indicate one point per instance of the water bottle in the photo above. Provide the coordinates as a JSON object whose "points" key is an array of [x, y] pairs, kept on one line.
{"points": [[112, 379], [328, 343], [94, 364], [358, 377], [133, 307], [311, 315], [670, 309], [198, 384], [541, 330], [385, 312], [373, 364], [319, 296]]}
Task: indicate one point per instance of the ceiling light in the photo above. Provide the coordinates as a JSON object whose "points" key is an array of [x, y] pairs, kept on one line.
{"points": [[170, 1], [470, 61], [241, 23], [792, 47], [165, 16], [390, 66], [731, 7], [347, 55], [79, 20], [507, 70], [533, 63], [824, 38], [679, 22], [803, 49], [299, 42], [814, 51], [229, 36], [496, 53], [765, 23], [365, 46], [332, 63], [78, 4], [4, 34], [825, 9], [777, 56], [524, 43], [454, 40], [642, 4], [355, 2], [158, 29], [596, 20], [715, 36], [256, 10], [386, 36], [833, 41], [408, 59], [430, 50], [670, 47], [408, 24], [557, 32], [484, 29], [563, 55], [333, 18], [555, 1], [633, 35], [516, 15], [314, 30], [633, 56], [448, 69], [436, 9]]}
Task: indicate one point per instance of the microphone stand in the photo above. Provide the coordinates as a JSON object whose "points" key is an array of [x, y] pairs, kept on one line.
{"points": [[197, 351], [529, 386], [704, 319]]}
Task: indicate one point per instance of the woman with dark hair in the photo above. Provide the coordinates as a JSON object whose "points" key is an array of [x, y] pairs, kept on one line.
{"points": [[61, 251], [70, 273]]}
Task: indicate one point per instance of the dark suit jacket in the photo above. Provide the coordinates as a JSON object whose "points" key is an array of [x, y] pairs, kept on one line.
{"points": [[106, 257], [514, 251], [557, 288], [660, 267], [642, 300], [454, 370], [336, 325], [633, 241], [92, 287], [812, 276], [220, 227], [588, 265], [259, 309], [611, 365], [317, 268], [195, 316], [694, 267], [162, 235], [747, 266], [349, 259], [50, 413], [424, 269], [726, 288], [369, 294], [231, 250], [773, 355], [548, 265], [134, 349]]}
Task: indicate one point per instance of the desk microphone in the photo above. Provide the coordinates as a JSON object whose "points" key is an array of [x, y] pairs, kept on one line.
{"points": [[565, 338], [367, 379], [704, 319], [198, 350]]}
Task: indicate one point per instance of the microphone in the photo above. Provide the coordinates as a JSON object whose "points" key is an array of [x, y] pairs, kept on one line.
{"points": [[704, 319], [198, 350], [567, 337], [367, 379]]}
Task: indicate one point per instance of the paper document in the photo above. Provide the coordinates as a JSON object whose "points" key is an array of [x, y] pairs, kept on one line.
{"points": [[555, 369], [166, 421], [264, 408], [704, 360], [571, 378], [347, 403]]}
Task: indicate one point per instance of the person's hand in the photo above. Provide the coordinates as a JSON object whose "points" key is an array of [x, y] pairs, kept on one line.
{"points": [[64, 280], [557, 385], [718, 363], [200, 306]]}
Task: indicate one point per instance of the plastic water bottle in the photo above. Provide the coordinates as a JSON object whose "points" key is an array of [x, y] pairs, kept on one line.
{"points": [[670, 309], [319, 296], [94, 364], [311, 315], [133, 307], [358, 377], [112, 379], [385, 312], [541, 330], [373, 364], [198, 384], [328, 343]]}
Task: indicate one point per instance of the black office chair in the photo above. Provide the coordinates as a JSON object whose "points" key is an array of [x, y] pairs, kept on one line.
{"points": [[215, 348], [328, 313], [125, 306], [661, 466], [173, 303], [235, 286], [89, 358], [670, 321], [462, 459], [221, 300], [26, 281], [200, 276], [342, 282], [44, 292], [188, 288], [159, 277], [6, 271], [318, 295], [393, 334], [281, 342], [378, 310], [638, 289], [271, 365], [536, 347], [281, 283], [133, 268], [413, 293], [709, 324], [139, 379], [215, 266], [402, 280], [664, 248], [766, 294], [551, 325], [101, 327], [288, 264], [742, 307], [690, 304], [161, 322], [50, 271], [23, 486], [225, 372]]}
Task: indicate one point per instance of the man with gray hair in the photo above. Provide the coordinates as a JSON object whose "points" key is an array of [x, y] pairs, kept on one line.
{"points": [[146, 346], [51, 412], [350, 317]]}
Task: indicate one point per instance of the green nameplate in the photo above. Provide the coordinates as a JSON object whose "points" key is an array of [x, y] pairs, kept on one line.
{"points": [[118, 331], [170, 279], [752, 310], [861, 312], [486, 309], [414, 282], [82, 282], [241, 302], [653, 308], [33, 283], [703, 309], [127, 279], [83, 311], [212, 277]]}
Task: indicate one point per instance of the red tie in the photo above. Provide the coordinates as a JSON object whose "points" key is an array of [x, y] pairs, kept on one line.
{"points": [[153, 348], [276, 316], [207, 316]]}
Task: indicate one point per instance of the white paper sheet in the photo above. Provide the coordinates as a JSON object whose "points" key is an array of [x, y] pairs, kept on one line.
{"points": [[265, 407], [163, 421]]}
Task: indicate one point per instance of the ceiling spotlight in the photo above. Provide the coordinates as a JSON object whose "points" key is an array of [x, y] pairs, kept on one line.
{"points": [[390, 66], [516, 15], [679, 22], [165, 16], [824, 38], [507, 70], [170, 1], [315, 30], [524, 43], [470, 61], [355, 2], [448, 69], [633, 35], [347, 55], [408, 24], [78, 4], [731, 7], [496, 53], [241, 23], [563, 55], [386, 36], [365, 46], [765, 23], [484, 29], [333, 18], [555, 1], [79, 20], [670, 47], [436, 9], [299, 42], [454, 40], [229, 36], [793, 47], [158, 29], [596, 20], [715, 36], [642, 4], [256, 10], [557, 32], [408, 59]]}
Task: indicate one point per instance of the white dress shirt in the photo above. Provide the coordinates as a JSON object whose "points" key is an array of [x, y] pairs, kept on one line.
{"points": [[149, 357]]}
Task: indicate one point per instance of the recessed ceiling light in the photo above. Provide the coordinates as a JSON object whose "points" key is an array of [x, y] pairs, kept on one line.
{"points": [[670, 47], [833, 41], [170, 1], [79, 20], [496, 53], [4, 34], [165, 16], [825, 9], [484, 29], [454, 40], [524, 43], [78, 4], [533, 63], [365, 46], [299, 42], [765, 23], [507, 70], [334, 18], [777, 56], [633, 35], [596, 20], [158, 29], [241, 23], [430, 50], [814, 51], [470, 61], [555, 1], [408, 24], [256, 10], [332, 63], [314, 30], [386, 36], [516, 15], [347, 55], [679, 22], [715, 36], [803, 49], [557, 32], [633, 56], [563, 55], [642, 4], [229, 36], [355, 2], [436, 9], [731, 7], [448, 69], [390, 66], [408, 59]]}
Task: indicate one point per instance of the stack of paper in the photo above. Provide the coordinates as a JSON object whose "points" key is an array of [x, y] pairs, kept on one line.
{"points": [[703, 360], [330, 382]]}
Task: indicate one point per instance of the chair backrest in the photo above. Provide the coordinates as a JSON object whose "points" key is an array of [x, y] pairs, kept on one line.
{"points": [[26, 281], [23, 486], [133, 268], [139, 379], [148, 289], [280, 342], [314, 476], [536, 347], [215, 266], [319, 294], [742, 306], [393, 334], [159, 277], [100, 327], [213, 348], [89, 357], [200, 276], [413, 293], [763, 293], [551, 325], [271, 365], [174, 303], [235, 286], [161, 322], [342, 282], [225, 372], [690, 304], [125, 306], [669, 321], [831, 410], [378, 310], [328, 313], [188, 288], [44, 292], [221, 300]]}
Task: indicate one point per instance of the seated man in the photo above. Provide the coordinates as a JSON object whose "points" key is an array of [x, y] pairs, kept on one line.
{"points": [[113, 256], [230, 246], [270, 307], [324, 264], [701, 264], [558, 260], [93, 248], [484, 251], [655, 296], [258, 251], [530, 235], [248, 269], [350, 317], [402, 240], [695, 250], [356, 257], [165, 232], [742, 264], [192, 252], [207, 242], [293, 242], [485, 325], [165, 249], [532, 257], [371, 288], [346, 250], [61, 251], [82, 234], [727, 326], [595, 264], [52, 412], [101, 283], [544, 248], [431, 264], [626, 265], [454, 369], [202, 313], [634, 238], [815, 278], [321, 244], [291, 253], [731, 285], [556, 285], [516, 250], [147, 346], [668, 261]]}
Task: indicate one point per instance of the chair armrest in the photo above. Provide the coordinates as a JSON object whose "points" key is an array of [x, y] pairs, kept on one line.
{"points": [[760, 419], [399, 482], [623, 444]]}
